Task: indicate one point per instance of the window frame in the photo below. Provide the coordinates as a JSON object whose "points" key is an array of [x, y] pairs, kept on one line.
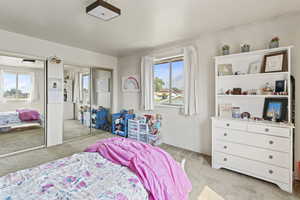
{"points": [[86, 74], [170, 62], [16, 98]]}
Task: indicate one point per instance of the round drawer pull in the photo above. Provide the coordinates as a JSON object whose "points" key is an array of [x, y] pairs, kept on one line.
{"points": [[271, 171], [225, 147], [271, 142], [228, 124], [270, 156], [225, 159], [267, 130], [225, 134]]}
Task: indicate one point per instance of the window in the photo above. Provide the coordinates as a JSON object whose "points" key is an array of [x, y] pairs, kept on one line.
{"points": [[169, 82], [85, 87], [17, 86]]}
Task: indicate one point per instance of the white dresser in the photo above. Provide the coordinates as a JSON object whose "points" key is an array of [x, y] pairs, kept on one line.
{"points": [[260, 149]]}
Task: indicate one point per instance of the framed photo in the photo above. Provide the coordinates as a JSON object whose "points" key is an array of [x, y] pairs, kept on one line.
{"points": [[225, 69], [254, 67], [225, 110], [130, 84], [276, 62], [280, 86], [275, 108]]}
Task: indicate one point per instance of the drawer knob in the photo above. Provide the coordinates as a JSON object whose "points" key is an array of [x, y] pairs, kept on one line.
{"points": [[270, 156], [271, 142], [225, 147], [225, 134], [225, 159], [271, 171], [267, 130], [228, 124]]}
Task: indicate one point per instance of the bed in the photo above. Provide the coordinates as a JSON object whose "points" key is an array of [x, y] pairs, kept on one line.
{"points": [[10, 121], [111, 169]]}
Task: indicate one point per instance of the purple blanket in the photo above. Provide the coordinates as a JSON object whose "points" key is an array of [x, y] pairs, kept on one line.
{"points": [[160, 174]]}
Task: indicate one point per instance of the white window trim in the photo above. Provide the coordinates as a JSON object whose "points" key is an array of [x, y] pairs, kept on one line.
{"points": [[17, 85], [167, 60]]}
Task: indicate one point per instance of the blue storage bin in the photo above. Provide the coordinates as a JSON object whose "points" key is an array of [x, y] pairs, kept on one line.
{"points": [[120, 123]]}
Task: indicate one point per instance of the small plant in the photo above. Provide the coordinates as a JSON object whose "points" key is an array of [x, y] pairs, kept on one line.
{"points": [[225, 47], [275, 39]]}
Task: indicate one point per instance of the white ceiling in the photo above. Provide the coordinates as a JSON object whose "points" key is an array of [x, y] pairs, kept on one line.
{"points": [[143, 23]]}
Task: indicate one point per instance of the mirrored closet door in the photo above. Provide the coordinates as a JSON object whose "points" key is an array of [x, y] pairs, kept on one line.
{"points": [[101, 99], [77, 103], [22, 104]]}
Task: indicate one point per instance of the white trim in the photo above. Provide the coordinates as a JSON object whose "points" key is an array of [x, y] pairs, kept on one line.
{"points": [[22, 151]]}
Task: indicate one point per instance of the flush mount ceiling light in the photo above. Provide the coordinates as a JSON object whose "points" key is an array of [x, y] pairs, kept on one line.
{"points": [[103, 10]]}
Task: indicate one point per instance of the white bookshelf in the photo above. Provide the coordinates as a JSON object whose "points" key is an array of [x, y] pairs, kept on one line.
{"points": [[238, 143], [240, 62]]}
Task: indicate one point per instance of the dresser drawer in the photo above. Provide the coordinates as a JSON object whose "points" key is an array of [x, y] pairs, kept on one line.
{"points": [[230, 125], [253, 139], [252, 168], [269, 130], [253, 153]]}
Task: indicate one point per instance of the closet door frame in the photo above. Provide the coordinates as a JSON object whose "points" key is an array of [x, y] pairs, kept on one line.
{"points": [[44, 60], [111, 87], [90, 96]]}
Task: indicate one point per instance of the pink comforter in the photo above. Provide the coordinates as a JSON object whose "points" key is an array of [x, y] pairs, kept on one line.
{"points": [[160, 174]]}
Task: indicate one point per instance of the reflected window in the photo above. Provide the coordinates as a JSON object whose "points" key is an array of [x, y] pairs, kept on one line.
{"points": [[17, 86]]}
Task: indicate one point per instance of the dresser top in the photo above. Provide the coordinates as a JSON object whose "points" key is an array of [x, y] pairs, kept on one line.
{"points": [[263, 122]]}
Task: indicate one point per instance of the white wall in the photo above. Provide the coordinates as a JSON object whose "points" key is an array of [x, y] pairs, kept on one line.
{"points": [[194, 133], [24, 45]]}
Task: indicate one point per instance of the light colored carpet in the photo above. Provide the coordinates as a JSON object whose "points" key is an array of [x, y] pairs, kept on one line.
{"points": [[230, 185], [21, 139], [74, 129]]}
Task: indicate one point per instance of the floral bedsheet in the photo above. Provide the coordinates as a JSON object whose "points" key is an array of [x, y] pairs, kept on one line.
{"points": [[81, 176]]}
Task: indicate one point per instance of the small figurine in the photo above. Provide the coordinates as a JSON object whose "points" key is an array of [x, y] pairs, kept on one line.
{"points": [[245, 48]]}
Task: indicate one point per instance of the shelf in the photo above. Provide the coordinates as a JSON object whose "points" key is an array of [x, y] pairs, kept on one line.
{"points": [[257, 52], [255, 96], [252, 75]]}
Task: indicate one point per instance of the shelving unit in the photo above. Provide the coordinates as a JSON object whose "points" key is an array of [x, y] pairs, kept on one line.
{"points": [[254, 96], [236, 143], [240, 62]]}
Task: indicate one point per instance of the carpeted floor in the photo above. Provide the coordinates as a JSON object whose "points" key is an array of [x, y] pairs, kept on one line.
{"points": [[24, 139], [231, 185]]}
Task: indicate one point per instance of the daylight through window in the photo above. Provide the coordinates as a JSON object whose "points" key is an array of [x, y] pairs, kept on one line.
{"points": [[169, 82], [17, 86]]}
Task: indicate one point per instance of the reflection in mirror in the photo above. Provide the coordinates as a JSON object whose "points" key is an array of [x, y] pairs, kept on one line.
{"points": [[101, 88], [22, 104], [77, 118]]}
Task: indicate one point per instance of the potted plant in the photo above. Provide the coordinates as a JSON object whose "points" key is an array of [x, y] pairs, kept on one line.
{"points": [[274, 43], [226, 50]]}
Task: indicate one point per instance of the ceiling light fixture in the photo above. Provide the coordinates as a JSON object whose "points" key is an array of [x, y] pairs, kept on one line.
{"points": [[103, 10]]}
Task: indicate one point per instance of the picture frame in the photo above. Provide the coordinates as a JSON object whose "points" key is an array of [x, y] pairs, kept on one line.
{"points": [[254, 67], [277, 106], [276, 62], [225, 69], [280, 86], [225, 110]]}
